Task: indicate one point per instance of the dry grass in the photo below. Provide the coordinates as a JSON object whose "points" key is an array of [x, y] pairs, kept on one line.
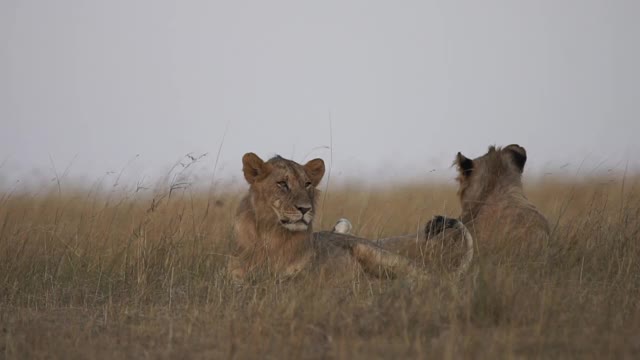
{"points": [[99, 274]]}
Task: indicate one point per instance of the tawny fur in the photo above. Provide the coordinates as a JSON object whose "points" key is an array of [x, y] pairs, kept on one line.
{"points": [[273, 236], [450, 248], [494, 206]]}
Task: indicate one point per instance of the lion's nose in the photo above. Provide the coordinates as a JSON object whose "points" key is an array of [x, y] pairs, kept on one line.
{"points": [[304, 209]]}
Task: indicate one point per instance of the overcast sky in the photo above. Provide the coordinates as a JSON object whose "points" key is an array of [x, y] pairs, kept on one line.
{"points": [[404, 84]]}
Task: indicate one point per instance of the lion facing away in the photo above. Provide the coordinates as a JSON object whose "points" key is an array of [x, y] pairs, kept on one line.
{"points": [[273, 227], [494, 209], [494, 206]]}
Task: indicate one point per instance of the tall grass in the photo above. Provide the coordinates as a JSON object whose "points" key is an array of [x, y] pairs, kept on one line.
{"points": [[90, 273]]}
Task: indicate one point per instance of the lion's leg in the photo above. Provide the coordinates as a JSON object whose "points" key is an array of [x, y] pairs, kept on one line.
{"points": [[235, 270], [367, 254], [439, 224], [413, 246], [376, 260], [405, 245]]}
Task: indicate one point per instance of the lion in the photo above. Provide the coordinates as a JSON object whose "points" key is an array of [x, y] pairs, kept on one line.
{"points": [[494, 206], [274, 228]]}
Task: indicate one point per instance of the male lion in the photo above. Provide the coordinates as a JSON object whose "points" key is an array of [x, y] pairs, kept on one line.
{"points": [[273, 227]]}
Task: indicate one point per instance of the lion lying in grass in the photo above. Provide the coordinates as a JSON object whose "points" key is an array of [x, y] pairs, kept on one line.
{"points": [[494, 207], [493, 203], [273, 228]]}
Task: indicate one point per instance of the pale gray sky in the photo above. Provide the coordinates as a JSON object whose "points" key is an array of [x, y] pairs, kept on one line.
{"points": [[407, 84]]}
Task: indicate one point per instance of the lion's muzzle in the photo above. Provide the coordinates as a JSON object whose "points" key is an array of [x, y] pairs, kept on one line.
{"points": [[296, 220]]}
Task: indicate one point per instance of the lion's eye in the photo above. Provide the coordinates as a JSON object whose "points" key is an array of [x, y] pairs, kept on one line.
{"points": [[307, 184], [283, 185]]}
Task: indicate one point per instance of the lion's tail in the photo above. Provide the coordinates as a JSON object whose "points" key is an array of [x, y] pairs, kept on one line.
{"points": [[468, 256]]}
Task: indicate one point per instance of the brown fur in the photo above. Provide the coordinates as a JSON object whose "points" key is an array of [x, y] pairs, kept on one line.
{"points": [[449, 248], [494, 206], [272, 234], [494, 209]]}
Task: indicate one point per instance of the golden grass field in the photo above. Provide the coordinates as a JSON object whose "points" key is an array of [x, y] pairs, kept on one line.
{"points": [[88, 273]]}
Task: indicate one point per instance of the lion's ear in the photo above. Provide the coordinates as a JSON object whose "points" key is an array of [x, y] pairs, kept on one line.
{"points": [[464, 164], [315, 170], [253, 167], [518, 155]]}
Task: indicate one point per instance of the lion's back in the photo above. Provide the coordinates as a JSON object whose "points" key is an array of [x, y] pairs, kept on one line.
{"points": [[513, 221]]}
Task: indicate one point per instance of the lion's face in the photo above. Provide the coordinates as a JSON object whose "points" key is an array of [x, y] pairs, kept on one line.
{"points": [[282, 190], [480, 176]]}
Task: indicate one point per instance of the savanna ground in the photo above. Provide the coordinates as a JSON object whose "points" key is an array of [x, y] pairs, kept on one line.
{"points": [[103, 273]]}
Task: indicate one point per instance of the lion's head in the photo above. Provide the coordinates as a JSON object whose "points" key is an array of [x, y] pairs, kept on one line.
{"points": [[282, 191], [498, 168]]}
